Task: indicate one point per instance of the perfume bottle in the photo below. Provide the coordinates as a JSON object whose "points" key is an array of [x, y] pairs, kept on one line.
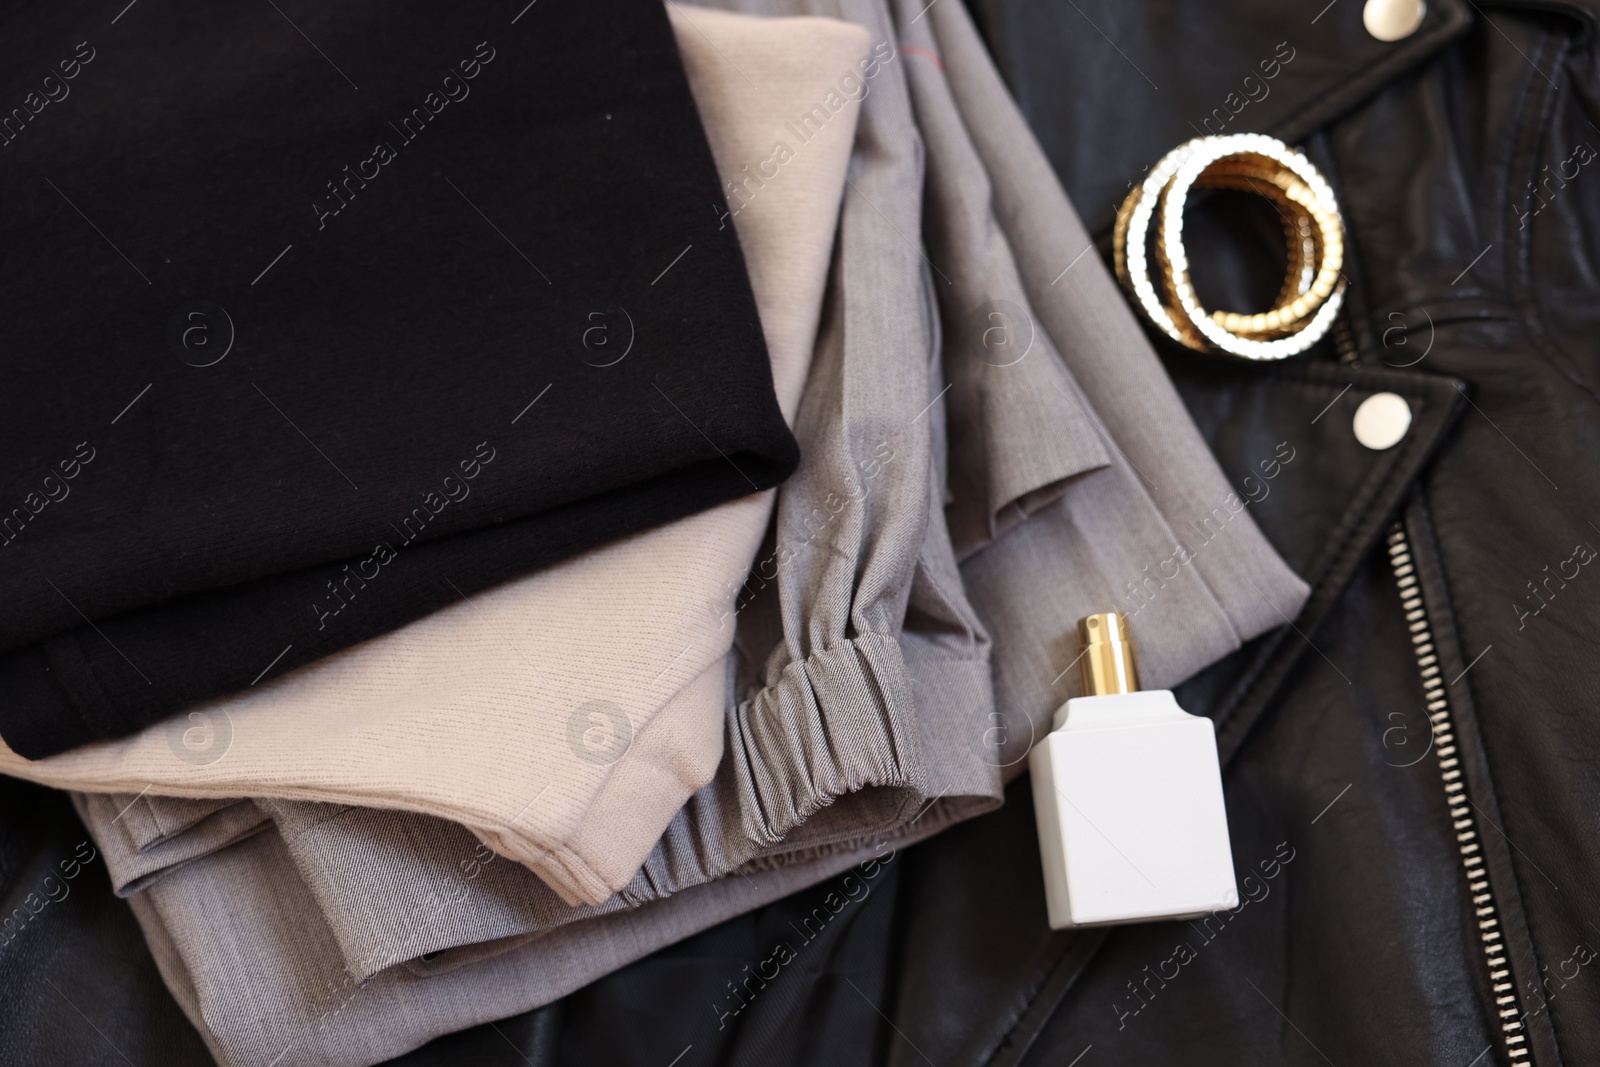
{"points": [[1128, 793]]}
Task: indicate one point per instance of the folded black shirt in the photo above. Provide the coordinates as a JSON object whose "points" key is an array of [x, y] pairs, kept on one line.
{"points": [[319, 318]]}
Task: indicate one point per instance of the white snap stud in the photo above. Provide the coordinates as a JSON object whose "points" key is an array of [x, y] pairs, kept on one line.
{"points": [[1382, 420], [1393, 20]]}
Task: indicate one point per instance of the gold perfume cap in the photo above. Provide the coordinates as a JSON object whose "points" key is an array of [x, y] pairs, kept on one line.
{"points": [[1108, 663]]}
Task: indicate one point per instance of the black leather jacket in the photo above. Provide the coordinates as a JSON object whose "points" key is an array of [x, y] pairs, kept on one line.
{"points": [[1423, 741], [1411, 765]]}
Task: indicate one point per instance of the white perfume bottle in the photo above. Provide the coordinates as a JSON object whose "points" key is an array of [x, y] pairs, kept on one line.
{"points": [[1128, 793]]}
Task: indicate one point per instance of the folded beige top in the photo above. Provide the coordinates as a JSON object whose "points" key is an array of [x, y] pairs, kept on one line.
{"points": [[519, 712]]}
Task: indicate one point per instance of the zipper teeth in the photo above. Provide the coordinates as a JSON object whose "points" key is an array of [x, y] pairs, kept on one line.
{"points": [[1344, 341], [1508, 1011]]}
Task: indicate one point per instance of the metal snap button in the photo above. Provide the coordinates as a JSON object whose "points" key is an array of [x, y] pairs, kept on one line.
{"points": [[1382, 420], [1393, 20]]}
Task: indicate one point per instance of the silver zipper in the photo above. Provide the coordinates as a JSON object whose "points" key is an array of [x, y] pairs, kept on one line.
{"points": [[1344, 339], [1507, 1006]]}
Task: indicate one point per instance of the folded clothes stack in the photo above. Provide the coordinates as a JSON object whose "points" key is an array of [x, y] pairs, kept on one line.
{"points": [[534, 485]]}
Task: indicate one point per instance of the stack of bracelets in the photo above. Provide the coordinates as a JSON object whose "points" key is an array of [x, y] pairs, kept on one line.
{"points": [[1313, 290]]}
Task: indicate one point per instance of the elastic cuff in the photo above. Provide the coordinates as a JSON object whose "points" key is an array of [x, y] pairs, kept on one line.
{"points": [[837, 722]]}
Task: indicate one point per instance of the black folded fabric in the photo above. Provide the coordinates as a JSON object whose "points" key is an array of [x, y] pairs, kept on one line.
{"points": [[319, 318]]}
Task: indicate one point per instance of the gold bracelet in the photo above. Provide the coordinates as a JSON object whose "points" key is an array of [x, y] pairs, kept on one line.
{"points": [[1289, 196], [1312, 292]]}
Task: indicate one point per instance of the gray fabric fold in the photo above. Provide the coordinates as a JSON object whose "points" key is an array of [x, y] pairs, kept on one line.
{"points": [[1075, 360], [150, 820], [143, 838], [241, 945]]}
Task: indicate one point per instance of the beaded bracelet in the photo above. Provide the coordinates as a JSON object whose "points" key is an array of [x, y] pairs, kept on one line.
{"points": [[1312, 292]]}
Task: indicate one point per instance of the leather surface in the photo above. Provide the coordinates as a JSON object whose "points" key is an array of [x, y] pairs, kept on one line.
{"points": [[77, 984], [1362, 946]]}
